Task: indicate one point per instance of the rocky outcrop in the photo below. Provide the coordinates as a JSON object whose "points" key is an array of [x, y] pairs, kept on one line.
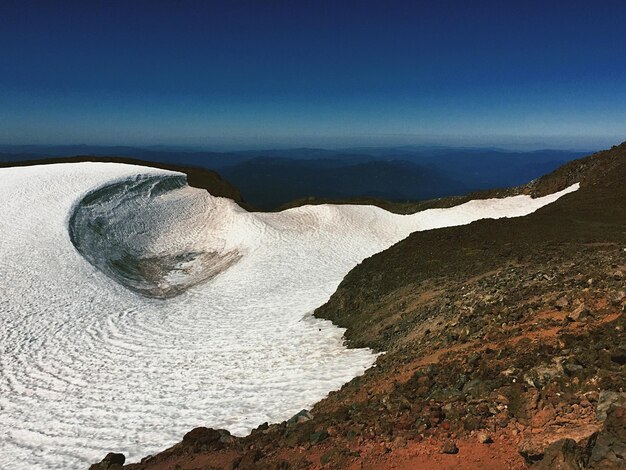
{"points": [[563, 454], [112, 461], [608, 399], [206, 439], [603, 450], [609, 449]]}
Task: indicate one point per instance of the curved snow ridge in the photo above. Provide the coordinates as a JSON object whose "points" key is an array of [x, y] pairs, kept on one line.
{"points": [[158, 237], [88, 366], [513, 206]]}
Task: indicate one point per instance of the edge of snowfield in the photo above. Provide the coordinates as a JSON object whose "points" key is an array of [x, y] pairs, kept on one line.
{"points": [[88, 366]]}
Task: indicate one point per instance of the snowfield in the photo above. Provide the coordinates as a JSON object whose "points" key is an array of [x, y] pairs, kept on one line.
{"points": [[134, 308]]}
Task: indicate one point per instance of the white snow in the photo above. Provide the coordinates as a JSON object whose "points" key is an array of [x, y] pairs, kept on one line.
{"points": [[88, 366]]}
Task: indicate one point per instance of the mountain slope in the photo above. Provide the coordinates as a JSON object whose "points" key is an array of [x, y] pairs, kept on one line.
{"points": [[503, 331], [596, 214]]}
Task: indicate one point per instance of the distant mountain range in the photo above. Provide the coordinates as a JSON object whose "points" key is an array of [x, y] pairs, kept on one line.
{"points": [[268, 179], [271, 182]]}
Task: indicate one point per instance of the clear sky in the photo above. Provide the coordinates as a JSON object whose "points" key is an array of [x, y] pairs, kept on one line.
{"points": [[247, 74]]}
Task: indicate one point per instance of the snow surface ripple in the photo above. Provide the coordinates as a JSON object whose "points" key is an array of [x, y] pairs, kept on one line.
{"points": [[88, 366]]}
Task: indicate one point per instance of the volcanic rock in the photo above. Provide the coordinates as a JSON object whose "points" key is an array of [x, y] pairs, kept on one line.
{"points": [[112, 461], [563, 454], [300, 417], [580, 313], [606, 399], [248, 460], [609, 451], [318, 437], [202, 439], [449, 447], [561, 303]]}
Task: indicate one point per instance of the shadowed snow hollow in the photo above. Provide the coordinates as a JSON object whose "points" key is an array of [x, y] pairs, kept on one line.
{"points": [[134, 308], [152, 234]]}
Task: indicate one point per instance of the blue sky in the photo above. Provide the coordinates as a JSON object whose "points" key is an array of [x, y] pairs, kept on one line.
{"points": [[242, 74]]}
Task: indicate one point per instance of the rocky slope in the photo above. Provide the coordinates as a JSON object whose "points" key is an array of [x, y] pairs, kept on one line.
{"points": [[505, 348]]}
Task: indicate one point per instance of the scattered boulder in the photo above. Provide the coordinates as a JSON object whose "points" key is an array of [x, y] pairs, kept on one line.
{"points": [[476, 388], [202, 439], [336, 457], [563, 454], [609, 450], [531, 450], [449, 447], [318, 437], [604, 450], [248, 460], [399, 442], [300, 417], [283, 465], [263, 427], [541, 375], [200, 434], [561, 303], [619, 357], [434, 413], [112, 461], [606, 399], [571, 368], [543, 416], [580, 313], [484, 438]]}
